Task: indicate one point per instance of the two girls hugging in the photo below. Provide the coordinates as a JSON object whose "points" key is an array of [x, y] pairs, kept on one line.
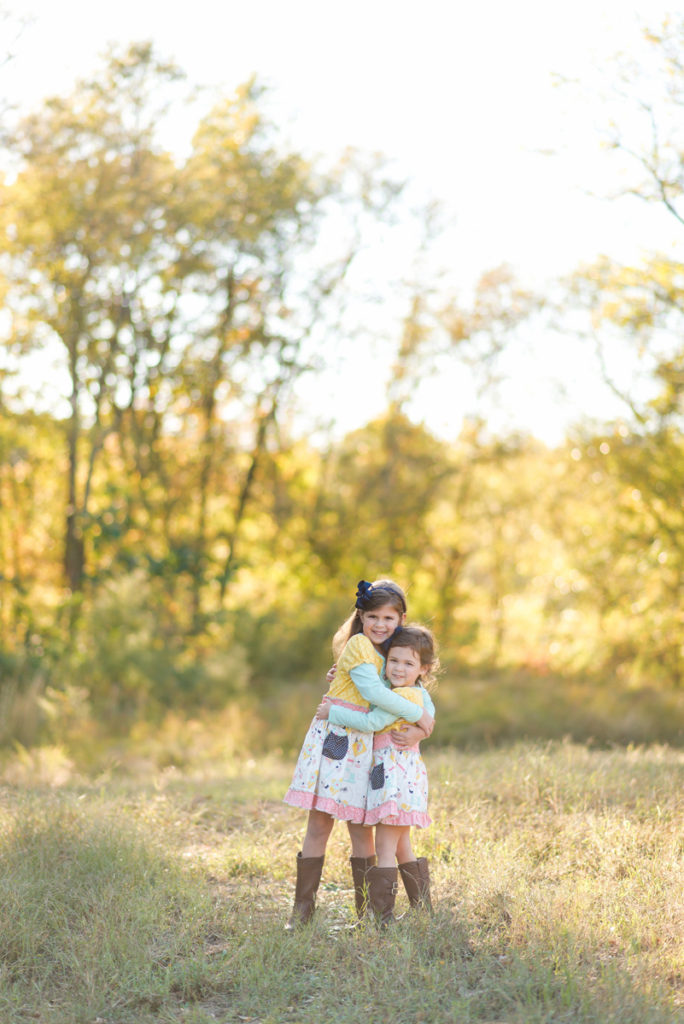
{"points": [[361, 762]]}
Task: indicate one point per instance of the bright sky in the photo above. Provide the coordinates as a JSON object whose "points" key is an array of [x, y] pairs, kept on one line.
{"points": [[459, 96]]}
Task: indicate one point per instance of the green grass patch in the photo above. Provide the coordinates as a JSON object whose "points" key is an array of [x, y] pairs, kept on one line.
{"points": [[557, 879]]}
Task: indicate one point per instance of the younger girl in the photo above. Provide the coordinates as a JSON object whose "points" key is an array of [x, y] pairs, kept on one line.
{"points": [[397, 793], [332, 772]]}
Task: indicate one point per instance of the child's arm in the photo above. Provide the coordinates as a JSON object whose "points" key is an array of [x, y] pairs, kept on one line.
{"points": [[408, 735], [362, 721], [367, 681], [428, 703], [428, 706], [358, 659]]}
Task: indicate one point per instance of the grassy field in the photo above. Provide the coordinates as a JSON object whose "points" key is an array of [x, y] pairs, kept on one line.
{"points": [[558, 881]]}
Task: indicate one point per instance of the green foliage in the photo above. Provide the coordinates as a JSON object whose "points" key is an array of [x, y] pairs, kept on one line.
{"points": [[169, 546], [630, 564], [289, 641], [133, 665], [169, 290]]}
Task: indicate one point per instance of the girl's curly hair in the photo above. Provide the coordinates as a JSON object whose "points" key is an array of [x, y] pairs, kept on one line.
{"points": [[419, 639]]}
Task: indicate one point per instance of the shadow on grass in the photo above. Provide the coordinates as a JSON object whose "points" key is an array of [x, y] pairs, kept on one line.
{"points": [[95, 921]]}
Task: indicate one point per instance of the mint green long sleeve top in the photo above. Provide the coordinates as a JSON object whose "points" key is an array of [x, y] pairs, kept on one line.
{"points": [[388, 706]]}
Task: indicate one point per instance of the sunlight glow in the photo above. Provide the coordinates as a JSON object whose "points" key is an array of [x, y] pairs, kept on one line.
{"points": [[462, 101]]}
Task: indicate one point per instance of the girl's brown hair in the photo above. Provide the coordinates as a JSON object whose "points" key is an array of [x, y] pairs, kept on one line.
{"points": [[381, 592], [422, 642]]}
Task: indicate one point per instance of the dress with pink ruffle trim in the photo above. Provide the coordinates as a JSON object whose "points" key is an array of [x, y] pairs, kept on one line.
{"points": [[398, 786], [332, 771]]}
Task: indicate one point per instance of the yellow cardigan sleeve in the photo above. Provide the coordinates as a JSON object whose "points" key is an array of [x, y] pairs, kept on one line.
{"points": [[359, 651]]}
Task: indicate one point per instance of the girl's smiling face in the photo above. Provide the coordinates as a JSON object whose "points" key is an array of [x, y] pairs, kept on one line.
{"points": [[403, 666], [380, 623]]}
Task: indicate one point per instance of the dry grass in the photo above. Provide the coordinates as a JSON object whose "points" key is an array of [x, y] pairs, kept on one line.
{"points": [[558, 877]]}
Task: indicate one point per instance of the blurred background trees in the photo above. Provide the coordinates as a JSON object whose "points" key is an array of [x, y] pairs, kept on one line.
{"points": [[171, 541]]}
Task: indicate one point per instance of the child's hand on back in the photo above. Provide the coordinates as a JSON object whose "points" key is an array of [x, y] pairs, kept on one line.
{"points": [[323, 709], [330, 675], [407, 736]]}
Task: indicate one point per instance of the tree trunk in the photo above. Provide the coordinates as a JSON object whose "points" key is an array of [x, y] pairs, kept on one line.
{"points": [[74, 551]]}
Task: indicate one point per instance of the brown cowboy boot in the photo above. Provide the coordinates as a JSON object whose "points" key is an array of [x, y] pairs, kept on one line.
{"points": [[415, 874], [382, 892], [308, 877], [359, 869]]}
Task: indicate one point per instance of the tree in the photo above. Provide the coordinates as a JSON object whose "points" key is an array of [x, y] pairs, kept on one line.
{"points": [[636, 317], [87, 234], [187, 298]]}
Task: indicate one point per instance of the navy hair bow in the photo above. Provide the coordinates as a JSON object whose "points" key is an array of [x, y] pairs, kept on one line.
{"points": [[363, 592]]}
